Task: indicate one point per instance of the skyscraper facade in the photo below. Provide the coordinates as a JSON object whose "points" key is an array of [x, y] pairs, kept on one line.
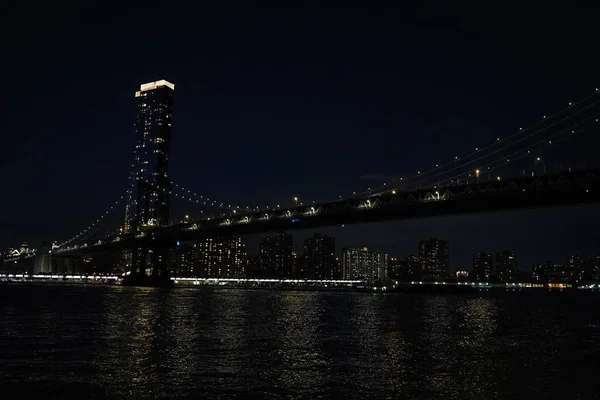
{"points": [[353, 262], [276, 256], [506, 266], [482, 266], [434, 255], [360, 263], [182, 260], [319, 257], [222, 258], [147, 202], [236, 257]]}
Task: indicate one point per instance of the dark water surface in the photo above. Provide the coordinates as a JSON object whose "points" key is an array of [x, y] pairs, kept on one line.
{"points": [[114, 342]]}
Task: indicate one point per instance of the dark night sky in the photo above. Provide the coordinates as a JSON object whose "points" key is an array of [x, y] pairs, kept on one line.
{"points": [[277, 102]]}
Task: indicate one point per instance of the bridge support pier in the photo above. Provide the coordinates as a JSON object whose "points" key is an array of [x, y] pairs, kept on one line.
{"points": [[160, 272], [149, 267]]}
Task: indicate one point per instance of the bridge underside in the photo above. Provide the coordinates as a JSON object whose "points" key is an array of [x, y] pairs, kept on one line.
{"points": [[546, 191]]}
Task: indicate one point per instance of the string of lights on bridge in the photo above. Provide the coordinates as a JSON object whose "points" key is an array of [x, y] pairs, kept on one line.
{"points": [[520, 131], [186, 194], [81, 235], [421, 176], [514, 156]]}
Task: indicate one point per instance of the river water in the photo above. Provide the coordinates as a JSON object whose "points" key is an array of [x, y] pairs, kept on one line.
{"points": [[93, 342]]}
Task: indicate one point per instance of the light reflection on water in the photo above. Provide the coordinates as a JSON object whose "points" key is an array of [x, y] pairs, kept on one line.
{"points": [[116, 342]]}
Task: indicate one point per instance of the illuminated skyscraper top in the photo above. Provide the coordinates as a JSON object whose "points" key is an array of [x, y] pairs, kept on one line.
{"points": [[148, 203]]}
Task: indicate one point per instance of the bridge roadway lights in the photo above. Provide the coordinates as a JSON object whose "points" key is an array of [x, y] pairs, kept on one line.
{"points": [[523, 192]]}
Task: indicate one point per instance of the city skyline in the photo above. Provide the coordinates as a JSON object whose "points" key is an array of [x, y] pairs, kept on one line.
{"points": [[232, 119], [318, 258]]}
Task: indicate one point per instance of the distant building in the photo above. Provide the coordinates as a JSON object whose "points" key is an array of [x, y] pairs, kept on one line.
{"points": [[236, 257], [222, 257], [276, 256], [360, 263], [379, 263], [182, 261], [319, 254], [337, 269], [413, 265], [398, 268], [507, 268], [483, 266], [298, 266], [594, 269], [354, 261], [434, 255], [392, 268], [576, 267], [551, 273], [210, 258]]}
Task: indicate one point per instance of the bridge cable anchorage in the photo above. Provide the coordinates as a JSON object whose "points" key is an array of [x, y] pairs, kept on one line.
{"points": [[531, 136], [87, 231], [513, 157], [545, 119]]}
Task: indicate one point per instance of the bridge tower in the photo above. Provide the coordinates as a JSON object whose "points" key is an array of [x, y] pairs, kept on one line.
{"points": [[147, 202]]}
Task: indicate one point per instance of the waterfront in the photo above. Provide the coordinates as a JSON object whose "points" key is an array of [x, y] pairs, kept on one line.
{"points": [[122, 342]]}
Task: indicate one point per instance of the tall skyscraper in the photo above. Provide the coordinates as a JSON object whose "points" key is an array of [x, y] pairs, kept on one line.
{"points": [[506, 266], [378, 265], [276, 256], [319, 255], [360, 263], [211, 257], [353, 262], [482, 266], [236, 257], [434, 255], [147, 197]]}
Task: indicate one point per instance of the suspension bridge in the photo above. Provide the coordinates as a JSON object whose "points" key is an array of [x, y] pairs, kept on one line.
{"points": [[553, 162]]}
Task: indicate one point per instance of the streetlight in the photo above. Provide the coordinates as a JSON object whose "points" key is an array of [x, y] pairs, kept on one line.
{"points": [[296, 200]]}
